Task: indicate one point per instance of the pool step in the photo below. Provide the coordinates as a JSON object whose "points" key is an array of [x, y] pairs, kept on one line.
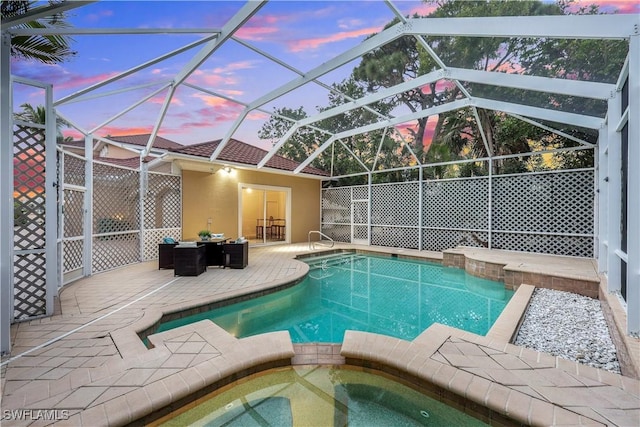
{"points": [[317, 354], [332, 260]]}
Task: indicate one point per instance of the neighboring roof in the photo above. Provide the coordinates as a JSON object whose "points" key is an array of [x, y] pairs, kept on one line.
{"points": [[235, 152], [141, 140], [131, 162], [240, 152]]}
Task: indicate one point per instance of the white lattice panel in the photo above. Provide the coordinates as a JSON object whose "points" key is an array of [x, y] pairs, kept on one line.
{"points": [[115, 199], [29, 155], [360, 232], [548, 244], [395, 204], [162, 201], [550, 203], [114, 251], [336, 205], [73, 212], [545, 206], [361, 212], [456, 203], [360, 192], [439, 240], [399, 237], [72, 255], [29, 286], [339, 233], [155, 236], [74, 170]]}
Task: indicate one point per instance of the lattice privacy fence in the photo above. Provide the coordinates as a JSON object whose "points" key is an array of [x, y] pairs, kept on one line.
{"points": [[29, 260], [162, 207], [116, 216], [544, 212], [125, 228], [73, 233]]}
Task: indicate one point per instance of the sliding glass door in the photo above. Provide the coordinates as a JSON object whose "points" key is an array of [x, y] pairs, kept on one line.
{"points": [[264, 213]]}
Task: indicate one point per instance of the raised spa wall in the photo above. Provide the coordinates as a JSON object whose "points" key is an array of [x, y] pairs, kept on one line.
{"points": [[508, 269]]}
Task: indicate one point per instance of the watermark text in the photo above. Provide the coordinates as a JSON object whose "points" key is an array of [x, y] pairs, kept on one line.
{"points": [[35, 414]]}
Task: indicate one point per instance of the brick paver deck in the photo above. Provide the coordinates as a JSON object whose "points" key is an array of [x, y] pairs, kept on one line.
{"points": [[88, 363]]}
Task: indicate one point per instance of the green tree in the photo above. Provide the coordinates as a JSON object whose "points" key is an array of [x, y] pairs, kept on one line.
{"points": [[457, 135], [301, 144], [337, 160], [406, 59], [49, 49], [37, 115]]}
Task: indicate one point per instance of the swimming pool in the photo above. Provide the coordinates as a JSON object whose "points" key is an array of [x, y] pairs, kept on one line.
{"points": [[385, 295], [319, 396]]}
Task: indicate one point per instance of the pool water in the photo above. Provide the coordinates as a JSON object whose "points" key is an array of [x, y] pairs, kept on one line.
{"points": [[319, 396], [385, 295]]}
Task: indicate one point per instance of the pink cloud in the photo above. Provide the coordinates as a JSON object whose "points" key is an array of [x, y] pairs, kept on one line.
{"points": [[160, 100], [218, 111], [231, 92], [405, 130], [620, 6], [210, 78], [259, 27], [423, 9], [124, 130], [56, 74], [235, 66], [507, 67], [214, 101], [257, 115], [345, 24], [83, 81], [314, 43], [441, 85], [72, 133]]}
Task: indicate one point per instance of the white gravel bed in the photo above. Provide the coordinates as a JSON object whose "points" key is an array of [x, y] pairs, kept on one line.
{"points": [[570, 326]]}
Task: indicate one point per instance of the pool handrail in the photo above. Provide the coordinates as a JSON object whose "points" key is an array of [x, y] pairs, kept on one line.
{"points": [[312, 245]]}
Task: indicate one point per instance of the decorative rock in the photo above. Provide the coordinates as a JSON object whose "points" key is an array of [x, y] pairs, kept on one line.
{"points": [[570, 326]]}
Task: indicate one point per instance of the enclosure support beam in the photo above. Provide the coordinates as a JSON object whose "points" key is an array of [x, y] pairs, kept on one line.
{"points": [[369, 194], [614, 184], [490, 206], [420, 207], [633, 184], [87, 265], [592, 27], [51, 203], [602, 201], [6, 192]]}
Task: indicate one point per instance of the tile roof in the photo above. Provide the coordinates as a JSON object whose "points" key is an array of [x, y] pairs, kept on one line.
{"points": [[235, 152], [240, 152], [131, 162], [141, 140]]}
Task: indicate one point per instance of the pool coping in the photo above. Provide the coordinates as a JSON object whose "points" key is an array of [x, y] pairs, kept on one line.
{"points": [[493, 379]]}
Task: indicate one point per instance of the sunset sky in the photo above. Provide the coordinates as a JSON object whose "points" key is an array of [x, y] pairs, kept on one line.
{"points": [[303, 34]]}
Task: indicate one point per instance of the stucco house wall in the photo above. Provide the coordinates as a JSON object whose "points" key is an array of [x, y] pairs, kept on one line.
{"points": [[215, 195]]}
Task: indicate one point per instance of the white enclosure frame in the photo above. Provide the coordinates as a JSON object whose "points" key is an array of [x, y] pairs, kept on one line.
{"points": [[615, 27]]}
